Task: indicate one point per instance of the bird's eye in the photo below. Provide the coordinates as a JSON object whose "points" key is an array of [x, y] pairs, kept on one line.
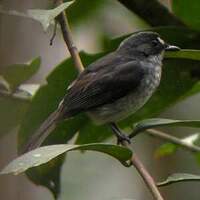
{"points": [[154, 42]]}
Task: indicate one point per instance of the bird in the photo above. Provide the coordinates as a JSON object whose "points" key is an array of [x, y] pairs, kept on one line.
{"points": [[113, 87]]}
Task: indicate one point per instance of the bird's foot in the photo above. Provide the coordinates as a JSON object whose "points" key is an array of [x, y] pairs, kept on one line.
{"points": [[123, 138]]}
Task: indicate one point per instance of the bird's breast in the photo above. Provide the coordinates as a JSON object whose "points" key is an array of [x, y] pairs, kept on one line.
{"points": [[130, 103]]}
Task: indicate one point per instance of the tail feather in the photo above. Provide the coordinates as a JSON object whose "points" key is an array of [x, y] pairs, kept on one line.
{"points": [[41, 134]]}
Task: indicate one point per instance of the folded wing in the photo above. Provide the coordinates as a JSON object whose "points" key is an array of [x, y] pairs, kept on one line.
{"points": [[93, 89]]}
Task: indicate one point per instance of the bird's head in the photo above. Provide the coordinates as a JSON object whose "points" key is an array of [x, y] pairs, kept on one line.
{"points": [[146, 44]]}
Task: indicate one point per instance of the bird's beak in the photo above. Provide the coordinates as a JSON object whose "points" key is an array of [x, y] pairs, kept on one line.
{"points": [[171, 48]]}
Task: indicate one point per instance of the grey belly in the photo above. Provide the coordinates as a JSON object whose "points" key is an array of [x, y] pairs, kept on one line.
{"points": [[125, 106]]}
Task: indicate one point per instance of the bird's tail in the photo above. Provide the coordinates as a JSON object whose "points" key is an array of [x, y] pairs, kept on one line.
{"points": [[41, 134]]}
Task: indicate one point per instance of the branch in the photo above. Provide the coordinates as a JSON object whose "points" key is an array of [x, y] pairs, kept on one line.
{"points": [[149, 181], [67, 36], [62, 19], [146, 177], [152, 12], [173, 139]]}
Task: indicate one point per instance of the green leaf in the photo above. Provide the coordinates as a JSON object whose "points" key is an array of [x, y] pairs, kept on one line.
{"points": [[12, 112], [5, 11], [30, 89], [47, 99], [184, 53], [13, 106], [195, 89], [159, 122], [188, 12], [44, 154], [197, 157], [43, 16], [82, 10], [165, 150], [18, 94], [179, 177], [4, 85], [170, 148], [16, 74], [92, 133], [75, 12], [46, 17]]}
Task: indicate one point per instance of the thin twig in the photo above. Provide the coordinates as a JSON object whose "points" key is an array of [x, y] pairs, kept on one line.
{"points": [[62, 19], [164, 136], [148, 179], [66, 32]]}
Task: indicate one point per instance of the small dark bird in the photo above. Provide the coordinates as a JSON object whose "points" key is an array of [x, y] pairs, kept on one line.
{"points": [[113, 87]]}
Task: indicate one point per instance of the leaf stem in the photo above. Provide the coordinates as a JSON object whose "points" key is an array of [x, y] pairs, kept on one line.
{"points": [[62, 19], [164, 136], [54, 33]]}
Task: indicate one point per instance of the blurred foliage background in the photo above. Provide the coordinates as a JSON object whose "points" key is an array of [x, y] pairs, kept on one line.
{"points": [[98, 27]]}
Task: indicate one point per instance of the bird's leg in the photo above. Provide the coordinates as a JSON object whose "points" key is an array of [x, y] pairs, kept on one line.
{"points": [[120, 136]]}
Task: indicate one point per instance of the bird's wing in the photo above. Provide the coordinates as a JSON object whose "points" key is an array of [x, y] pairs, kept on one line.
{"points": [[93, 89]]}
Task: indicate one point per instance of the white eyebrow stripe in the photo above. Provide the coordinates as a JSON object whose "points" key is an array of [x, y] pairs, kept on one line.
{"points": [[160, 40]]}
